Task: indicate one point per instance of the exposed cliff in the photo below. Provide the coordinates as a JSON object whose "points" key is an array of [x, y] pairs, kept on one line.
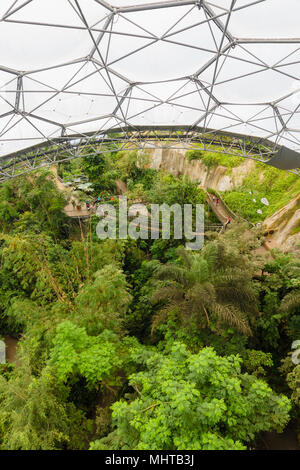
{"points": [[285, 221], [220, 178], [286, 226]]}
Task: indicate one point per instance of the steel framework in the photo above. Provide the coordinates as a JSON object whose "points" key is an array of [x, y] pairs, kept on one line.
{"points": [[170, 73]]}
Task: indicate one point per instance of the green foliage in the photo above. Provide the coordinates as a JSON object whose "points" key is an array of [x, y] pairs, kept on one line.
{"points": [[293, 381], [164, 250], [23, 270], [214, 158], [99, 172], [211, 159], [72, 299], [138, 319], [292, 376], [194, 401], [34, 267], [213, 191], [33, 203], [103, 303], [280, 301], [170, 190], [241, 203], [126, 164], [194, 155], [203, 289], [34, 414], [279, 187], [76, 353], [256, 361], [71, 168]]}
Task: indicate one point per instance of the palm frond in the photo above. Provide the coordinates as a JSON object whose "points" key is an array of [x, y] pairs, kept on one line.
{"points": [[171, 271], [291, 302], [199, 270], [185, 256], [211, 254], [162, 315], [228, 314], [239, 294], [169, 293], [201, 294]]}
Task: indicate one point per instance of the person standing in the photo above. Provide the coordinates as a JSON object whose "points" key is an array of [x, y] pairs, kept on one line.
{"points": [[227, 222]]}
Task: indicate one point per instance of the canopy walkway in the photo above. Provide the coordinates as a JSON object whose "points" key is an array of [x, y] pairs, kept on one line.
{"points": [[77, 211], [83, 213], [219, 208], [222, 212]]}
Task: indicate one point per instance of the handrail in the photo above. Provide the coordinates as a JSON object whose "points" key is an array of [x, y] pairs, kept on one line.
{"points": [[230, 211]]}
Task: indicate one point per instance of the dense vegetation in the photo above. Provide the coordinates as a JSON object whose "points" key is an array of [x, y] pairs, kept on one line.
{"points": [[214, 158], [261, 182], [278, 187], [128, 344]]}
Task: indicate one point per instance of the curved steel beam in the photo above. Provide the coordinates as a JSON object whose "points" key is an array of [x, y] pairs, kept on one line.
{"points": [[142, 137]]}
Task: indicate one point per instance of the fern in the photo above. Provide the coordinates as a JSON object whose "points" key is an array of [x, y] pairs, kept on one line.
{"points": [[202, 288]]}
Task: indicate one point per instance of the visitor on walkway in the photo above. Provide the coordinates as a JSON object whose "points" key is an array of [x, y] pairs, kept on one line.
{"points": [[227, 222], [217, 201], [97, 200], [87, 205], [213, 198]]}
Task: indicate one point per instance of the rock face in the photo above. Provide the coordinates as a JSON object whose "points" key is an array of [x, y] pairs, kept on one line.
{"points": [[174, 161], [283, 222]]}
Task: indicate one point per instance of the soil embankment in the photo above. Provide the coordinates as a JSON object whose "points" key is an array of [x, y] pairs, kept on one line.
{"points": [[284, 224]]}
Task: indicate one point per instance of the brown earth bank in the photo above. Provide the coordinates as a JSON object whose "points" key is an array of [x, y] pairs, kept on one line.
{"points": [[284, 222]]}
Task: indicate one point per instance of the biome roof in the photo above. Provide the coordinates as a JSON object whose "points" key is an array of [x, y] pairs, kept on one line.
{"points": [[86, 67]]}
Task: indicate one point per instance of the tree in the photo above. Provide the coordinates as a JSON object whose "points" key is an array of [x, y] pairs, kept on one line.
{"points": [[210, 289], [279, 292], [293, 381], [33, 203], [103, 303], [76, 353], [100, 171], [170, 190], [24, 270], [35, 414], [194, 401]]}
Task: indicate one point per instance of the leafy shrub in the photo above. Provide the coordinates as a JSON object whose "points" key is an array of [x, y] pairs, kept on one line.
{"points": [[194, 155], [194, 401], [241, 203], [277, 186]]}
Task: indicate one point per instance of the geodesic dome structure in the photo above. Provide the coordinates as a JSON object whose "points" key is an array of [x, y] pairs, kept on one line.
{"points": [[85, 76]]}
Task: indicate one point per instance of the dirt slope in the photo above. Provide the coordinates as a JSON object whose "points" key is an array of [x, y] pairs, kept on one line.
{"points": [[284, 222]]}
